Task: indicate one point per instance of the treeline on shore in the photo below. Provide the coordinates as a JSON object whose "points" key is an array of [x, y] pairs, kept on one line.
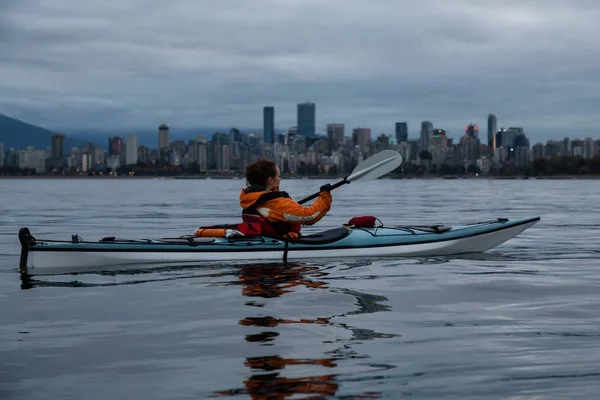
{"points": [[561, 165]]}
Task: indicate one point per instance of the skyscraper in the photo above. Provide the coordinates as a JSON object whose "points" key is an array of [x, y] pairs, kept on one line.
{"points": [[306, 119], [131, 156], [269, 124], [362, 138], [115, 146], [163, 137], [492, 129], [401, 132], [472, 130], [335, 136], [58, 150], [163, 143], [426, 134]]}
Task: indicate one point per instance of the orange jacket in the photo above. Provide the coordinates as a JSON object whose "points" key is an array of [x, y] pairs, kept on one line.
{"points": [[284, 209]]}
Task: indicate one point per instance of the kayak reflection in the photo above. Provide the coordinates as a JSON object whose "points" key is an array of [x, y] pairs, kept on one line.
{"points": [[267, 380]]}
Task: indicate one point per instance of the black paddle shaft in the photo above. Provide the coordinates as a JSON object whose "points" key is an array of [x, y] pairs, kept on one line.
{"points": [[315, 195]]}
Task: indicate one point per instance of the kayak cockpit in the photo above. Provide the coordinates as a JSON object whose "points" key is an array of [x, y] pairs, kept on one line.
{"points": [[325, 237]]}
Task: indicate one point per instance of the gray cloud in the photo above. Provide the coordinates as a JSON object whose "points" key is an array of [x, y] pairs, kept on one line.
{"points": [[133, 64]]}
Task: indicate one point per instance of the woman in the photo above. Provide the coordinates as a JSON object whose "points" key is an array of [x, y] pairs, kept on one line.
{"points": [[278, 214]]}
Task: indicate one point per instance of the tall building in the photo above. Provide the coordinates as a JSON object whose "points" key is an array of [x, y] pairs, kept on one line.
{"points": [[58, 150], [589, 148], [131, 155], [163, 137], [492, 129], [86, 161], [235, 134], [439, 147], [401, 132], [98, 156], [163, 143], [566, 147], [115, 146], [335, 136], [202, 156], [269, 124], [306, 119], [469, 148], [472, 130], [362, 138], [32, 158], [509, 136], [537, 151], [500, 138], [426, 135]]}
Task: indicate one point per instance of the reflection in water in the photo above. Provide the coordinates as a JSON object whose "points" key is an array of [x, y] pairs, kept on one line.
{"points": [[274, 281], [267, 381], [150, 276], [261, 283]]}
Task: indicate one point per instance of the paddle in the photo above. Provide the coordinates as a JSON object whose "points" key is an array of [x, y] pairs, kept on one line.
{"points": [[373, 167]]}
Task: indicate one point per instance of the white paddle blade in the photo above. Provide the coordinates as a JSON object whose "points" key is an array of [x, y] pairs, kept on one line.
{"points": [[375, 166]]}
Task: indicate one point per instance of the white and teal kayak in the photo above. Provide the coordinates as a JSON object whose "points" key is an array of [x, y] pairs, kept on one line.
{"points": [[39, 256]]}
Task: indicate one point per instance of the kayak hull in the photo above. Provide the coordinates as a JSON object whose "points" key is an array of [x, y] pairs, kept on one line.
{"points": [[51, 257]]}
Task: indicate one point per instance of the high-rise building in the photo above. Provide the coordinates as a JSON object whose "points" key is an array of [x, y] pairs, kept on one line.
{"points": [[32, 158], [426, 135], [235, 135], [86, 161], [472, 130], [202, 156], [501, 137], [58, 150], [335, 136], [469, 147], [589, 148], [509, 136], [492, 129], [401, 132], [131, 156], [269, 124], [163, 137], [115, 146], [362, 138], [566, 149], [306, 119], [537, 151], [439, 147], [163, 143]]}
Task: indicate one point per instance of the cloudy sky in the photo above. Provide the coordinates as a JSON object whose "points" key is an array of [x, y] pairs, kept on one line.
{"points": [[135, 64]]}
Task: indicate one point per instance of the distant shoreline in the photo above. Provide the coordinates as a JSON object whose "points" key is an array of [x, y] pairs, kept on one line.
{"points": [[324, 177]]}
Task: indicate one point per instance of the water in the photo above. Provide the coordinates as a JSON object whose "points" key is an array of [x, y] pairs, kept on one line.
{"points": [[521, 321]]}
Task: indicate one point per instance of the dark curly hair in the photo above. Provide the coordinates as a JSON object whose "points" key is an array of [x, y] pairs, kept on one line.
{"points": [[259, 172]]}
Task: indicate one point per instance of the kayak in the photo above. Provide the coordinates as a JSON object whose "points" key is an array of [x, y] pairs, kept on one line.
{"points": [[39, 256]]}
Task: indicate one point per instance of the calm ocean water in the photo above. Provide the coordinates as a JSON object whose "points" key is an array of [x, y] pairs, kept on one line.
{"points": [[521, 321]]}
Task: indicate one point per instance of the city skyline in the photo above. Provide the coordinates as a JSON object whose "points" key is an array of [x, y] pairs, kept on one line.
{"points": [[401, 132], [450, 63], [413, 126]]}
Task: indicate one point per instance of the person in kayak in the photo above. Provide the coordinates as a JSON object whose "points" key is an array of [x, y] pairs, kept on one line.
{"points": [[278, 214]]}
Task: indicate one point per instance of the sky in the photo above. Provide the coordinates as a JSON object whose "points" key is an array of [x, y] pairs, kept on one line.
{"points": [[135, 64]]}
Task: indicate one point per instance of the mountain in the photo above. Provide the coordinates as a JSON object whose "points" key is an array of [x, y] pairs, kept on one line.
{"points": [[18, 135]]}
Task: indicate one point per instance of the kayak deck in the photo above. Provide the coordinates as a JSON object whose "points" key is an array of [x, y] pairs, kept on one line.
{"points": [[77, 255]]}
